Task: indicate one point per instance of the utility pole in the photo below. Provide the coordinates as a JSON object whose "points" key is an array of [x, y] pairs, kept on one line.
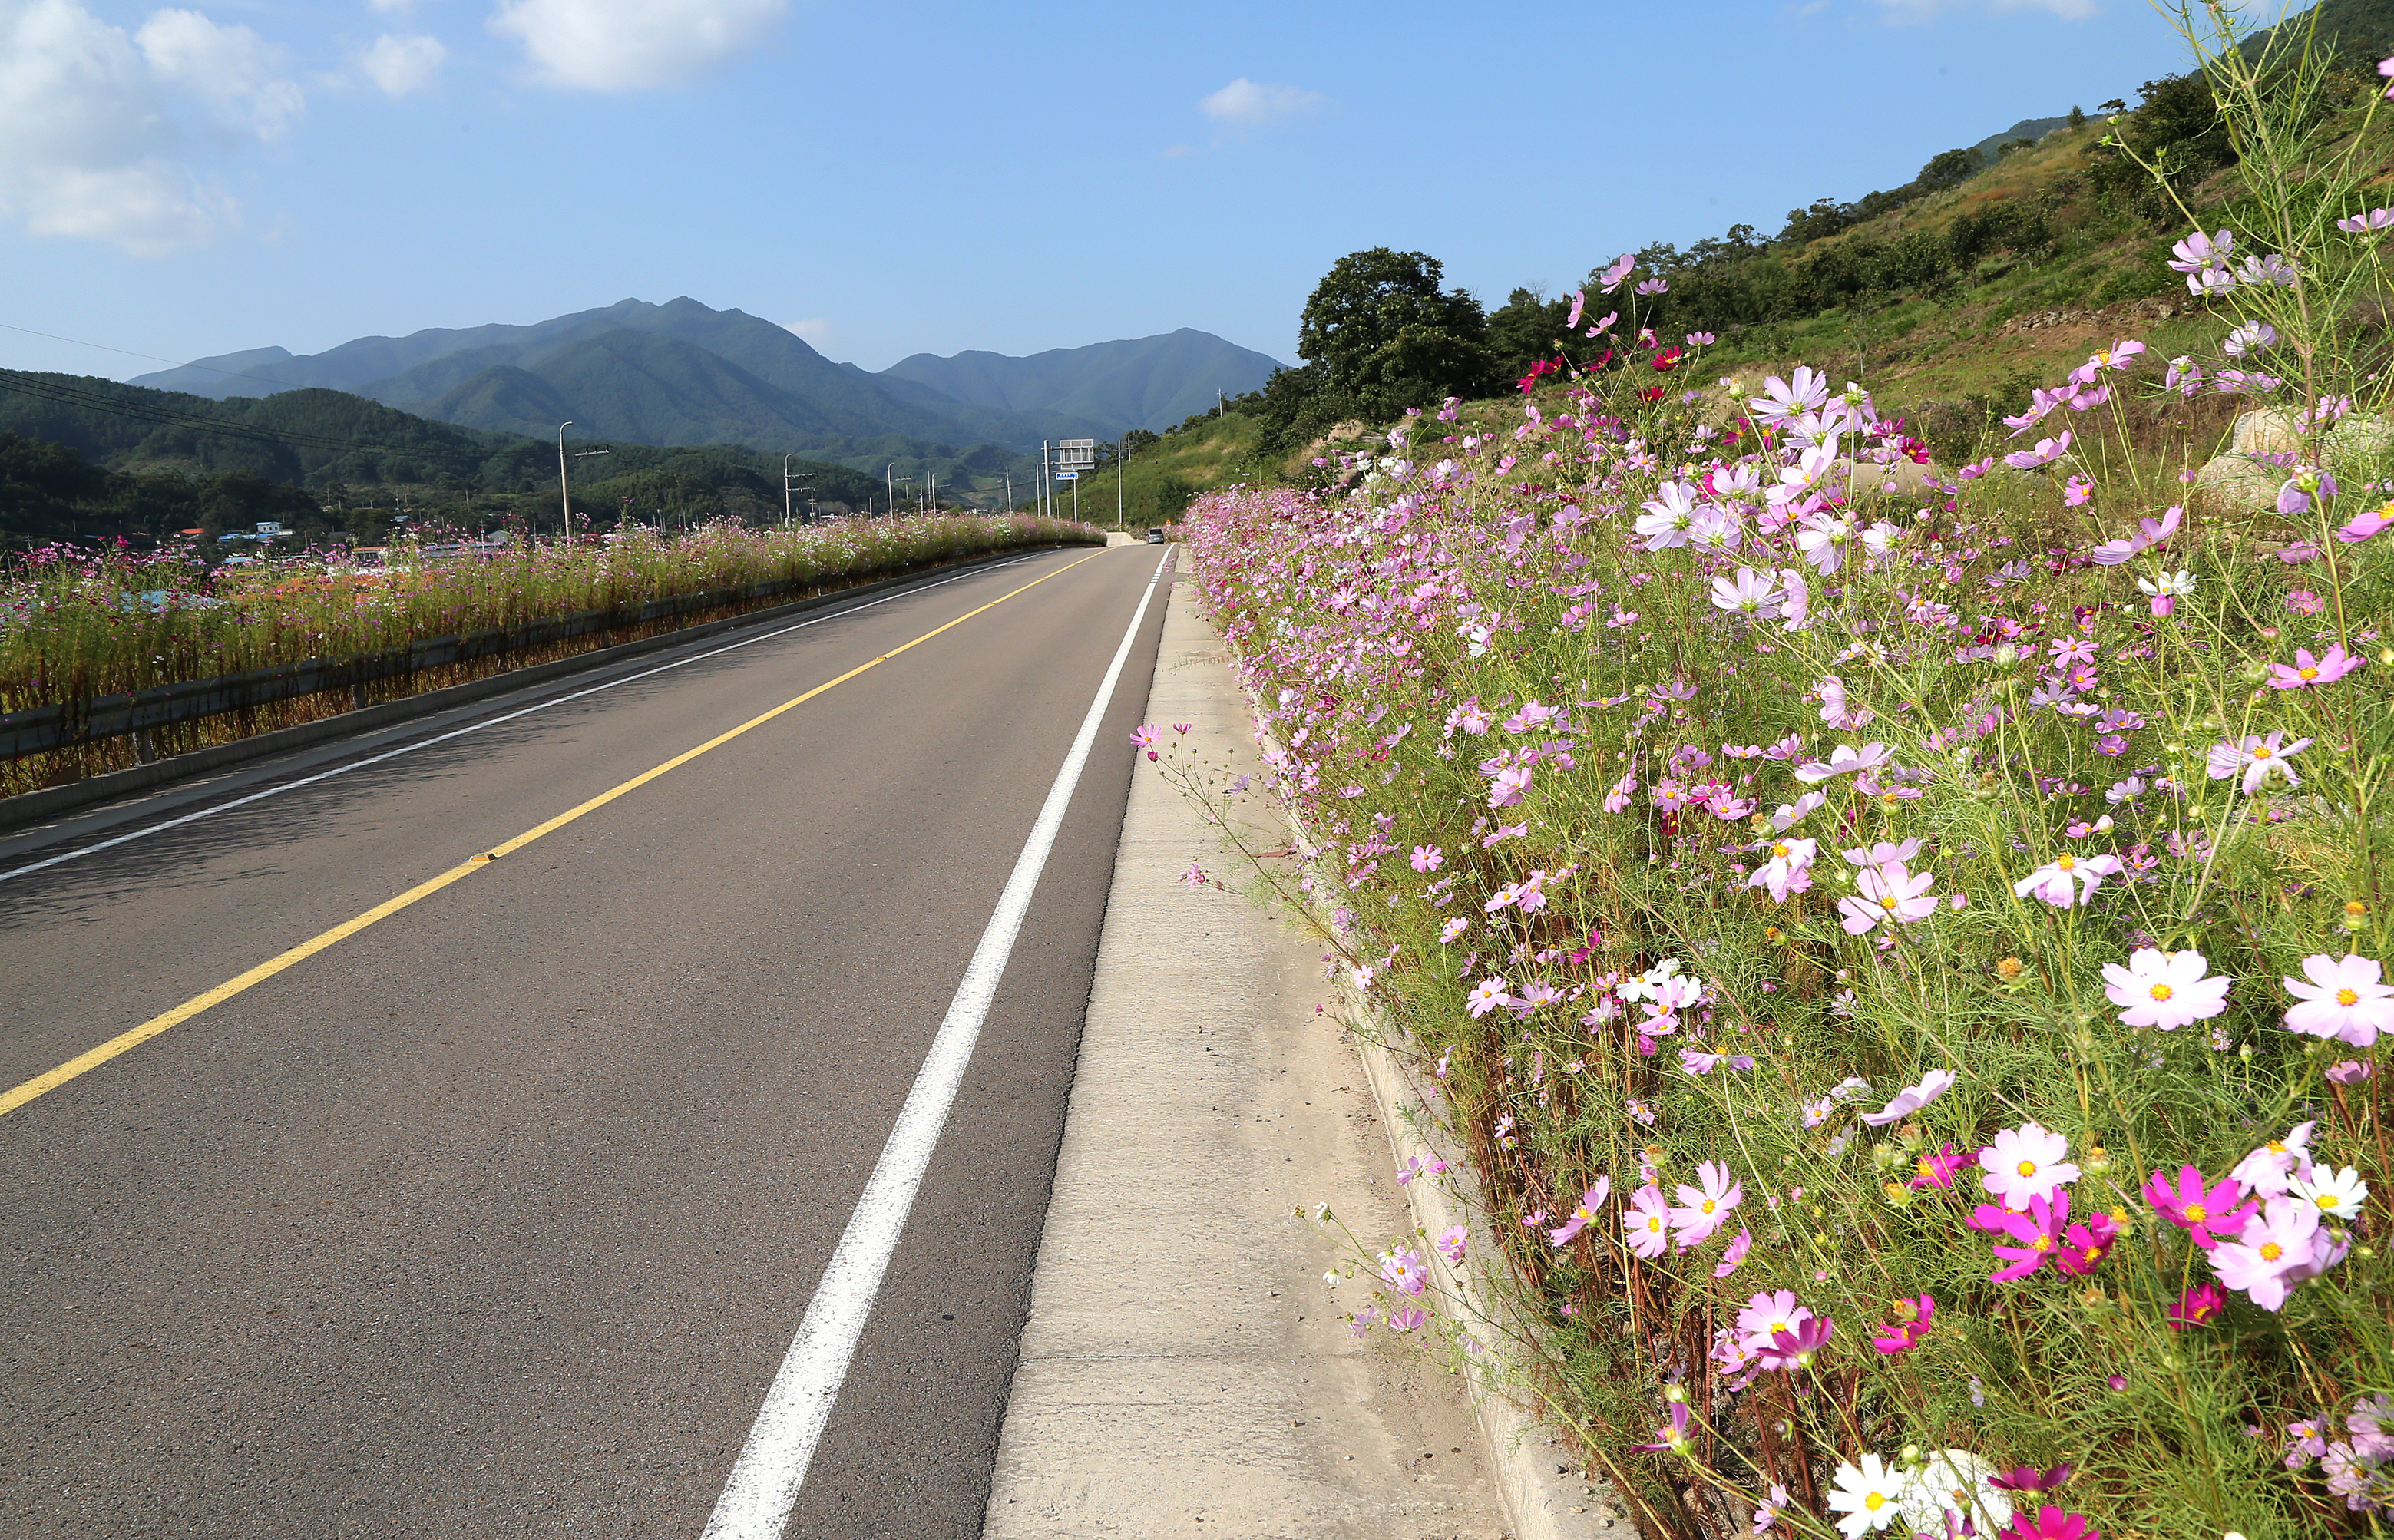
{"points": [[564, 498], [1046, 484], [1121, 466], [1009, 490], [786, 494], [889, 485]]}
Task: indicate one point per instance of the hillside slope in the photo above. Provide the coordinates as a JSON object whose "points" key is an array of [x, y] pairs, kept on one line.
{"points": [[1147, 383]]}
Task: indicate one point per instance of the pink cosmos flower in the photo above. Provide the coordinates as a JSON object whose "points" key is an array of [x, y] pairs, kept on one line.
{"points": [[1428, 858], [1672, 1435], [2205, 1213], [1844, 759], [2365, 524], [2256, 760], [2269, 1169], [1890, 895], [1648, 1221], [1453, 1242], [2028, 1477], [2344, 999], [1578, 304], [1617, 799], [1734, 1254], [1936, 1083], [1752, 595], [1765, 1315], [2150, 533], [2349, 1071], [2024, 1162], [2309, 672], [1789, 870], [1910, 1327], [1487, 996], [2067, 879], [1582, 1214], [2275, 1242], [2165, 990], [1404, 1270], [2045, 453], [1145, 737], [1506, 787], [1702, 1210]]}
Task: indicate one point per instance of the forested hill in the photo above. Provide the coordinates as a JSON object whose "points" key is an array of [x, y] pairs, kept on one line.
{"points": [[83, 456]]}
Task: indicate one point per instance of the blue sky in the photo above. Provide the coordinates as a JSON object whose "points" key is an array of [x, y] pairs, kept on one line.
{"points": [[909, 176]]}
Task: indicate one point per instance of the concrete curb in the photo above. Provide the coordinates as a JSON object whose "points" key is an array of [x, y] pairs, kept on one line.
{"points": [[35, 807], [1544, 1497]]}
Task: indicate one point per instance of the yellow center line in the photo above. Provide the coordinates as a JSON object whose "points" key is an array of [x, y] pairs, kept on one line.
{"points": [[92, 1058]]}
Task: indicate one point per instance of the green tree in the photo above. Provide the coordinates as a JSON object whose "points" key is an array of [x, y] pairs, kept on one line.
{"points": [[1948, 168], [1387, 334], [1380, 334]]}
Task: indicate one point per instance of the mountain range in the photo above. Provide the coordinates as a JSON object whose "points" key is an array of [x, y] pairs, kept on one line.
{"points": [[684, 373]]}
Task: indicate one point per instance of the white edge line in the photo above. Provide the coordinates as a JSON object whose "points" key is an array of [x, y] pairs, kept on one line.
{"points": [[488, 721], [771, 1469]]}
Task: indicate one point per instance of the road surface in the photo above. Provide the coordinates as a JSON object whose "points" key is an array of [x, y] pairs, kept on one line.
{"points": [[499, 1214]]}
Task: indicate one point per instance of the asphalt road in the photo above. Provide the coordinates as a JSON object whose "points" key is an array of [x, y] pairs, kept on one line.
{"points": [[498, 1216]]}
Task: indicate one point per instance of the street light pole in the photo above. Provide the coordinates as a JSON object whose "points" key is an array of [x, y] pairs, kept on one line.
{"points": [[786, 494], [564, 498]]}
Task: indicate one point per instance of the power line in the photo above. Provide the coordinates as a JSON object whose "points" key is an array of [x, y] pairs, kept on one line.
{"points": [[152, 357]]}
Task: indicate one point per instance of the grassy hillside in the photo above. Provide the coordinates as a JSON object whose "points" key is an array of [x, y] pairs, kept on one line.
{"points": [[1168, 473]]}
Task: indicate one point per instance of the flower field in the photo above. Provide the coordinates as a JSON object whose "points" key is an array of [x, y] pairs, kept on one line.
{"points": [[74, 626], [1901, 946]]}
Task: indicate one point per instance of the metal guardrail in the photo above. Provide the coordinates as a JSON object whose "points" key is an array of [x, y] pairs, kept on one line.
{"points": [[68, 723]]}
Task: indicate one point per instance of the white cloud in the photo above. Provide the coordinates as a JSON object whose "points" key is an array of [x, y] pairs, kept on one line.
{"points": [[231, 68], [1244, 104], [96, 125], [402, 66], [390, 8], [815, 332], [632, 44]]}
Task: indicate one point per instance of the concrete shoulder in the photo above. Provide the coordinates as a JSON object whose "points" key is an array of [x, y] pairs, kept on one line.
{"points": [[1184, 1370]]}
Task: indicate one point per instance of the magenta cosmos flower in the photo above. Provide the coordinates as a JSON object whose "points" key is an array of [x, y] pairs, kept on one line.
{"points": [[2199, 1306], [2344, 999], [1936, 1170], [1910, 1327], [2037, 1237], [2208, 1214], [2050, 1524], [2306, 672], [2165, 990], [2024, 1162]]}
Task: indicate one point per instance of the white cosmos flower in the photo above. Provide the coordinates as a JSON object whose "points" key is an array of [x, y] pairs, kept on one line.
{"points": [[1869, 1496]]}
